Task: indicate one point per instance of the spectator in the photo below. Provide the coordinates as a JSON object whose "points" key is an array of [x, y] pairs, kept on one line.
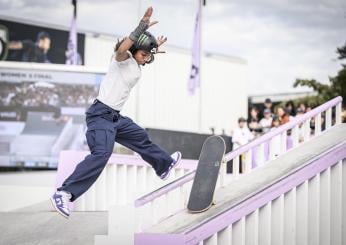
{"points": [[283, 116], [290, 109], [302, 106], [253, 121], [268, 104], [266, 122], [300, 127], [241, 134], [275, 141], [33, 52], [275, 122]]}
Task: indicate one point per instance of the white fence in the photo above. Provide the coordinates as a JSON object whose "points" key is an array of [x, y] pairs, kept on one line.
{"points": [[124, 178]]}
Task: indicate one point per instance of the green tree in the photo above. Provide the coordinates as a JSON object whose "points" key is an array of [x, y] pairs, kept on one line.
{"points": [[325, 92]]}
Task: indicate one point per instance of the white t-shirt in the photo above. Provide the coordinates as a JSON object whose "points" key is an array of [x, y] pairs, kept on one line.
{"points": [[241, 136], [120, 79], [266, 124]]}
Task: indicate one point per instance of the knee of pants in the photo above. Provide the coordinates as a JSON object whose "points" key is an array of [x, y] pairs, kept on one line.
{"points": [[144, 136], [99, 157]]}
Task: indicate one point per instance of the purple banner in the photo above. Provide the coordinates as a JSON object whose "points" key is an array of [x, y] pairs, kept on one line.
{"points": [[72, 56], [194, 79]]}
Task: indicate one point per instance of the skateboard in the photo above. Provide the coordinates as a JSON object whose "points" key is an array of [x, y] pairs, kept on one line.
{"points": [[207, 172]]}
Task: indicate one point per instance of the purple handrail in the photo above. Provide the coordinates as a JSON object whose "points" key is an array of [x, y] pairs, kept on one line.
{"points": [[264, 138]]}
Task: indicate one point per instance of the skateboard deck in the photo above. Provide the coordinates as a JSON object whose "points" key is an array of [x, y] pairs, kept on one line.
{"points": [[203, 187]]}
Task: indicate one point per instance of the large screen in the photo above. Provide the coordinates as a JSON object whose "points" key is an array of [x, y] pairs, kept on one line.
{"points": [[42, 111], [30, 48]]}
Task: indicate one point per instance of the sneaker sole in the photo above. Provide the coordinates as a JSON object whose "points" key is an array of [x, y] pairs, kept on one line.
{"points": [[56, 209]]}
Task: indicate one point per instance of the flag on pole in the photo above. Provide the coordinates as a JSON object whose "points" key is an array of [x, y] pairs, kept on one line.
{"points": [[72, 57], [194, 79]]}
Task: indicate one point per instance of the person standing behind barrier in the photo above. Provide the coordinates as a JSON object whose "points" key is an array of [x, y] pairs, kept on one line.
{"points": [[268, 104], [266, 122], [283, 116], [290, 108], [253, 121], [105, 123], [241, 136]]}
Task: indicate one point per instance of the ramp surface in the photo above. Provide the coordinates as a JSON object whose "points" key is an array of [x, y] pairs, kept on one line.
{"points": [[254, 182]]}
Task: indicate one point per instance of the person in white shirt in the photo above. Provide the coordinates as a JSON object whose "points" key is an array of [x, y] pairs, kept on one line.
{"points": [[105, 123], [266, 121], [241, 134]]}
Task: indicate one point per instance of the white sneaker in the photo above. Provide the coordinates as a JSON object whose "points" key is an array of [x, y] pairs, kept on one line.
{"points": [[60, 200], [176, 159]]}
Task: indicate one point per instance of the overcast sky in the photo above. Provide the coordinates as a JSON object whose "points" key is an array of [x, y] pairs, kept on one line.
{"points": [[280, 39]]}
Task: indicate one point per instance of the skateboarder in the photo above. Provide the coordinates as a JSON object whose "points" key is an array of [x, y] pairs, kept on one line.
{"points": [[106, 124]]}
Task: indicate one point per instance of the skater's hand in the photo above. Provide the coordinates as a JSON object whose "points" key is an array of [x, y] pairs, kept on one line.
{"points": [[147, 16], [160, 40]]}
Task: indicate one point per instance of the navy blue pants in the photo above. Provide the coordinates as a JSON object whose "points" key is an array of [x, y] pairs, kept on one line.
{"points": [[106, 126]]}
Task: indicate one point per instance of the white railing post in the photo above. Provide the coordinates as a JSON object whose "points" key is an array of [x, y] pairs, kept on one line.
{"points": [[325, 207], [264, 221], [111, 184], [225, 236], [248, 161], [235, 167], [90, 197], [343, 201], [101, 191], [141, 180], [283, 142], [272, 149], [131, 182], [302, 214], [277, 221], [211, 240], [251, 228], [290, 217], [314, 210], [318, 124], [121, 184], [336, 204], [222, 174], [338, 116], [328, 118], [238, 232], [306, 130], [260, 158], [295, 136]]}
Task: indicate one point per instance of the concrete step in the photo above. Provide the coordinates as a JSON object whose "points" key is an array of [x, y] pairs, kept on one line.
{"points": [[40, 225]]}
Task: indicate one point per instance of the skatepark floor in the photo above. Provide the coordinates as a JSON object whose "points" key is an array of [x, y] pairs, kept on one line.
{"points": [[40, 225], [27, 216]]}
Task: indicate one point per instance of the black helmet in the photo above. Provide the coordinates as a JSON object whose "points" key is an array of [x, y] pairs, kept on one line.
{"points": [[146, 42]]}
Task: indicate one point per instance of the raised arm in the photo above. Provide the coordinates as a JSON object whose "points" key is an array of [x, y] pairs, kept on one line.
{"points": [[144, 24], [15, 45]]}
